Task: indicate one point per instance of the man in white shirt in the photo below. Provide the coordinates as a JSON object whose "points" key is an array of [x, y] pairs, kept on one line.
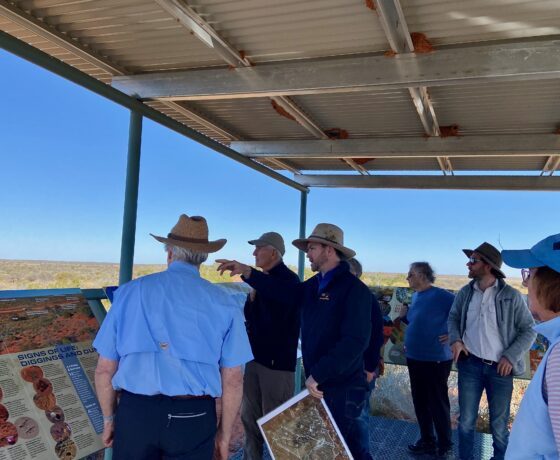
{"points": [[490, 330]]}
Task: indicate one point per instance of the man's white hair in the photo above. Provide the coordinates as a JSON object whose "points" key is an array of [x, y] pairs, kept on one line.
{"points": [[186, 255], [277, 252]]}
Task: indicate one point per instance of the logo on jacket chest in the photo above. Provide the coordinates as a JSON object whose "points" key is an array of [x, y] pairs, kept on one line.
{"points": [[325, 296]]}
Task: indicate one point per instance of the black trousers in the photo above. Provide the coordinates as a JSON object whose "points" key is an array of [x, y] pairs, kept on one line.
{"points": [[162, 427], [428, 385]]}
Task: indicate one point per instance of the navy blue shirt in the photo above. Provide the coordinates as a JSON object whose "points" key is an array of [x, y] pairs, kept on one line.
{"points": [[373, 351], [273, 327], [427, 320], [335, 323]]}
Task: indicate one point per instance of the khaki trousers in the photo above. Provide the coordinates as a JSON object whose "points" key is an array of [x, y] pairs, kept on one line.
{"points": [[264, 389]]}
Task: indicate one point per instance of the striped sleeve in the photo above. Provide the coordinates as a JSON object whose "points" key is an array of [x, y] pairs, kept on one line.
{"points": [[553, 390]]}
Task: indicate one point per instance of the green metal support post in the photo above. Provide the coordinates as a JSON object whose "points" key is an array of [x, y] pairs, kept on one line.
{"points": [[131, 197], [302, 220], [301, 269]]}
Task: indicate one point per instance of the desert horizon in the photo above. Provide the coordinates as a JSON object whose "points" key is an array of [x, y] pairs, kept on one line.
{"points": [[18, 274]]}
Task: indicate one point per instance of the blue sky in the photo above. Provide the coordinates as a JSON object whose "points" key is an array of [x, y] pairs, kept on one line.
{"points": [[62, 168]]}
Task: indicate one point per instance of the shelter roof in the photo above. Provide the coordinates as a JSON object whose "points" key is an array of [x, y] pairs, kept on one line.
{"points": [[359, 93]]}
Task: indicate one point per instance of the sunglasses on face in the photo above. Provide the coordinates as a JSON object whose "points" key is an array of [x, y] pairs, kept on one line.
{"points": [[525, 274], [474, 260]]}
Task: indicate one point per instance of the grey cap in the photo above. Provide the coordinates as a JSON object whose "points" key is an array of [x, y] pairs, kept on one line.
{"points": [[270, 239]]}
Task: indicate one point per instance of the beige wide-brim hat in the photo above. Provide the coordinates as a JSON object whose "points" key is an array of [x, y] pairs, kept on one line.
{"points": [[490, 255], [328, 234], [191, 233]]}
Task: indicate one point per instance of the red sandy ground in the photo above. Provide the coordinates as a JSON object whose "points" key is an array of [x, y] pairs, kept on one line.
{"points": [[78, 327]]}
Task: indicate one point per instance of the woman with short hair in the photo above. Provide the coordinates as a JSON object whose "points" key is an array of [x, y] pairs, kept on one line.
{"points": [[536, 430]]}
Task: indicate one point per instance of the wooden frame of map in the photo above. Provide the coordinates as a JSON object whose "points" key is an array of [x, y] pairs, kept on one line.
{"points": [[303, 427]]}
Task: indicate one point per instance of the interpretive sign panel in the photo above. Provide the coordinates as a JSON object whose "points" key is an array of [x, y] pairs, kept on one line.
{"points": [[48, 408], [303, 428]]}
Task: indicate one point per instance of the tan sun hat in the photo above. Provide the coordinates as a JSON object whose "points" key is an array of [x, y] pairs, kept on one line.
{"points": [[328, 234], [191, 233]]}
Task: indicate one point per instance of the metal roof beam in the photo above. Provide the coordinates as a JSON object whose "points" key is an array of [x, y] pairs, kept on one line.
{"points": [[555, 166], [551, 165], [396, 30], [300, 116], [394, 25], [355, 166], [191, 20], [453, 66], [445, 166], [283, 165], [529, 183], [42, 59], [210, 37], [461, 146]]}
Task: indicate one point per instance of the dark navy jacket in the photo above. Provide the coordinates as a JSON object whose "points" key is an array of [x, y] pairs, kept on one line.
{"points": [[273, 327], [373, 351], [335, 323]]}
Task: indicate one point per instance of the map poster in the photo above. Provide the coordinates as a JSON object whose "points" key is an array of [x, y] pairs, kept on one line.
{"points": [[48, 408], [303, 428]]}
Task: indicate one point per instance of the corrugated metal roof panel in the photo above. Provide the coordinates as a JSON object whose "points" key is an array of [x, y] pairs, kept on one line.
{"points": [[459, 21], [269, 30], [138, 35], [184, 119], [499, 108], [252, 119], [371, 114], [54, 50]]}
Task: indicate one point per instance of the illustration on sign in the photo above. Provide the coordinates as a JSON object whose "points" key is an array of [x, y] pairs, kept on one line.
{"points": [[48, 408]]}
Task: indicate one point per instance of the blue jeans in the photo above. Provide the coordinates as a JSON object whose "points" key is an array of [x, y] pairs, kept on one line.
{"points": [[474, 377], [369, 392], [346, 404]]}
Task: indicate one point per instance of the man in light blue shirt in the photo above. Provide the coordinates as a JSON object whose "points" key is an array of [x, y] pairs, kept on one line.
{"points": [[171, 343]]}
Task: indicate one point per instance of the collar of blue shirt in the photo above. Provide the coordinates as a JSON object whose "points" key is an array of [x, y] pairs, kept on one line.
{"points": [[177, 266]]}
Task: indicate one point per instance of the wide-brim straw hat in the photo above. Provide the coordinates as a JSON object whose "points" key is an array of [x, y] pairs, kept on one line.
{"points": [[191, 233], [490, 255], [328, 234]]}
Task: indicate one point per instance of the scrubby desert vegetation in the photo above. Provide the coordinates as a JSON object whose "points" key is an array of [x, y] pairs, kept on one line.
{"points": [[34, 274]]}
